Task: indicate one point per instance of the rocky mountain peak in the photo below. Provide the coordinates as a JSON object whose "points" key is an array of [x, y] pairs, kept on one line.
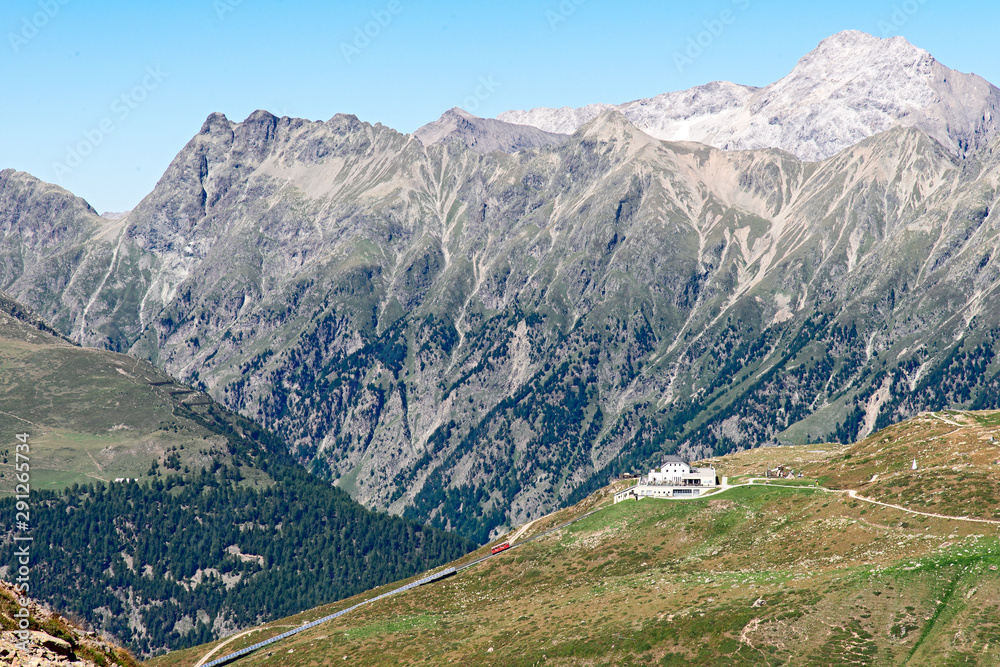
{"points": [[853, 69], [460, 113], [611, 126], [451, 121], [851, 86], [216, 123], [44, 212], [345, 122], [845, 48], [484, 135]]}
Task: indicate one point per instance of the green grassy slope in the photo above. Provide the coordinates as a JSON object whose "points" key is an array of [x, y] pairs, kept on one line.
{"points": [[91, 415], [761, 575]]}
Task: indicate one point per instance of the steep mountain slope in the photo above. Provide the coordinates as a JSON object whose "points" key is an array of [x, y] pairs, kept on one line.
{"points": [[477, 338], [44, 233], [215, 528], [759, 575], [851, 87], [485, 135]]}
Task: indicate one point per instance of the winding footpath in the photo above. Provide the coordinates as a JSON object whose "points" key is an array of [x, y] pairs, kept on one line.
{"points": [[521, 531], [853, 493], [215, 650]]}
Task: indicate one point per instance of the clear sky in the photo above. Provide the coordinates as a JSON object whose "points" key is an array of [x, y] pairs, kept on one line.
{"points": [[98, 95]]}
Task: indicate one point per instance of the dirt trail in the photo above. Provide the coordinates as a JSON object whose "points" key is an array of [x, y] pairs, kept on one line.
{"points": [[944, 419], [854, 494], [520, 531]]}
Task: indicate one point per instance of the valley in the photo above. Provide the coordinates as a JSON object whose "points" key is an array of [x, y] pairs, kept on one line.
{"points": [[216, 527], [412, 318]]}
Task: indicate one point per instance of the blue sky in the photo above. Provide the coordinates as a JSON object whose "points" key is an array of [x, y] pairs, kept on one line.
{"points": [[130, 83]]}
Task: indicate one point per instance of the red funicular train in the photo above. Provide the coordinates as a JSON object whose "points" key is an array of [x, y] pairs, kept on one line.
{"points": [[500, 547]]}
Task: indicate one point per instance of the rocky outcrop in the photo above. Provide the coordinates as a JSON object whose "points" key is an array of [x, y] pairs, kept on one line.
{"points": [[52, 641]]}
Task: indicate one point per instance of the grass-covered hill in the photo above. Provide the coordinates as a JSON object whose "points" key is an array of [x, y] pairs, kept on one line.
{"points": [[222, 529], [756, 575], [93, 416]]}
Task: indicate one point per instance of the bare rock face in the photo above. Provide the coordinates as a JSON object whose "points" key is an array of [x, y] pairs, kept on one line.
{"points": [[53, 644], [475, 338], [485, 135], [852, 86], [41, 648], [688, 115], [43, 231]]}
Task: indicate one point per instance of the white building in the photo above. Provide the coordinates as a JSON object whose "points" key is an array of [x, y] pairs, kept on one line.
{"points": [[674, 479]]}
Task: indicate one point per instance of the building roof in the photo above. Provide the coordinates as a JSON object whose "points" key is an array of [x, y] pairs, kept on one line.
{"points": [[673, 459]]}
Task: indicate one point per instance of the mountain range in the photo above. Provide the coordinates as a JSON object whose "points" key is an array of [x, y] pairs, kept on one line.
{"points": [[852, 86], [482, 322], [485, 135]]}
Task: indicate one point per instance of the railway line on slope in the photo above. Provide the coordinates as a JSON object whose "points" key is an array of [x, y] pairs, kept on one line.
{"points": [[429, 579]]}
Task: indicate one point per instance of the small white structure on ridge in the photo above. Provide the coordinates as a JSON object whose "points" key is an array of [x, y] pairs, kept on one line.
{"points": [[914, 465]]}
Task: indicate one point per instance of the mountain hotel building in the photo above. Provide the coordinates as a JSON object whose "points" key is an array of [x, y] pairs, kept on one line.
{"points": [[675, 478]]}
